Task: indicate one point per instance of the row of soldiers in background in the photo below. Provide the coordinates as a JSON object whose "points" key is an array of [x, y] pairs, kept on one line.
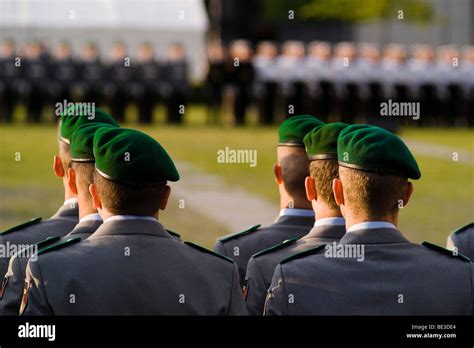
{"points": [[36, 77], [346, 80]]}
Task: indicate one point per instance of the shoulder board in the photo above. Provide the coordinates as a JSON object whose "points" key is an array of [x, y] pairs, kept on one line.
{"points": [[48, 241], [59, 245], [303, 254], [173, 233], [276, 247], [445, 251], [200, 248], [22, 226], [238, 234], [464, 228]]}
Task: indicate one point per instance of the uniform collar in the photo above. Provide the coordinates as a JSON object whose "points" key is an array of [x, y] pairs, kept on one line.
{"points": [[70, 209], [296, 212], [327, 231], [383, 235], [144, 225], [130, 217], [91, 217], [332, 221], [70, 201], [370, 225]]}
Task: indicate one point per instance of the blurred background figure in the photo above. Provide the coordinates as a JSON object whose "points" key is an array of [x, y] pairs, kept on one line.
{"points": [[175, 84], [467, 73], [146, 76], [9, 74], [215, 80], [35, 81], [63, 72], [240, 75], [318, 79], [265, 80], [91, 73], [118, 78], [290, 77]]}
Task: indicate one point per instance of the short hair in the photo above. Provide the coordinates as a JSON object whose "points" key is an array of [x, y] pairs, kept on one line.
{"points": [[372, 194], [294, 169], [65, 154], [84, 174], [324, 172], [124, 199]]}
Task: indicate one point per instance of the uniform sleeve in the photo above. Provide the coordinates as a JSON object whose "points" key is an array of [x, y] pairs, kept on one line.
{"points": [[219, 248], [36, 299], [275, 303], [255, 288], [10, 302], [237, 304]]}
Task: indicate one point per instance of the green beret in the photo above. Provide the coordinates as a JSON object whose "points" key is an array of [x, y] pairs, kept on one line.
{"points": [[292, 131], [74, 117], [321, 142], [131, 157], [82, 142], [373, 149]]}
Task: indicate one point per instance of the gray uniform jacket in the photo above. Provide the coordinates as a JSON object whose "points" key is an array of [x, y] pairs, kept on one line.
{"points": [[463, 240], [241, 246], [261, 266], [394, 277], [131, 267], [60, 224], [12, 288]]}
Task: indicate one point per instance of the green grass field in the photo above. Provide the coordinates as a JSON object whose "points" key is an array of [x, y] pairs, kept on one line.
{"points": [[443, 198]]}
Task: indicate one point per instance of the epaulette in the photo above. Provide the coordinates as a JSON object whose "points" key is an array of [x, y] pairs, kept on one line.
{"points": [[282, 245], [445, 251], [59, 245], [22, 226], [200, 248], [238, 234], [303, 254], [463, 228], [48, 241], [174, 234]]}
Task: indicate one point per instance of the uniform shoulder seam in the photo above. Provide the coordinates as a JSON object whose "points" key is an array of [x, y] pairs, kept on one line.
{"points": [[22, 226], [239, 234], [463, 228], [445, 251], [59, 245], [276, 247], [204, 250], [303, 254], [173, 233]]}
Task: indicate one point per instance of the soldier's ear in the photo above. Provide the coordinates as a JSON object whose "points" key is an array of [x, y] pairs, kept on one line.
{"points": [[71, 180], [408, 193], [165, 197], [278, 174], [338, 191], [310, 187], [58, 167], [96, 202]]}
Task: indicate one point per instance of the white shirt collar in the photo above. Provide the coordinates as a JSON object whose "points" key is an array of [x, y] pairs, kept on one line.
{"points": [[70, 201], [296, 212], [334, 221], [91, 217], [130, 217], [370, 225]]}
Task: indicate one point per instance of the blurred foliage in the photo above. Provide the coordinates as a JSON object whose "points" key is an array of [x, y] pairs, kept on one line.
{"points": [[417, 11]]}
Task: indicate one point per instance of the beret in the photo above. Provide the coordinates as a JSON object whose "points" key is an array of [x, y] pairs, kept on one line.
{"points": [[131, 157], [321, 142], [82, 142], [292, 131], [74, 117], [373, 149]]}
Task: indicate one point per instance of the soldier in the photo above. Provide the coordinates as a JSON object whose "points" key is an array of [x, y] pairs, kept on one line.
{"points": [[131, 265], [63, 71], [265, 80], [394, 76], [66, 217], [175, 86], [240, 74], [80, 178], [296, 215], [35, 81], [290, 77], [91, 74], [146, 77], [467, 68], [374, 270], [321, 148], [215, 80], [318, 78], [462, 240], [118, 76], [9, 74]]}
